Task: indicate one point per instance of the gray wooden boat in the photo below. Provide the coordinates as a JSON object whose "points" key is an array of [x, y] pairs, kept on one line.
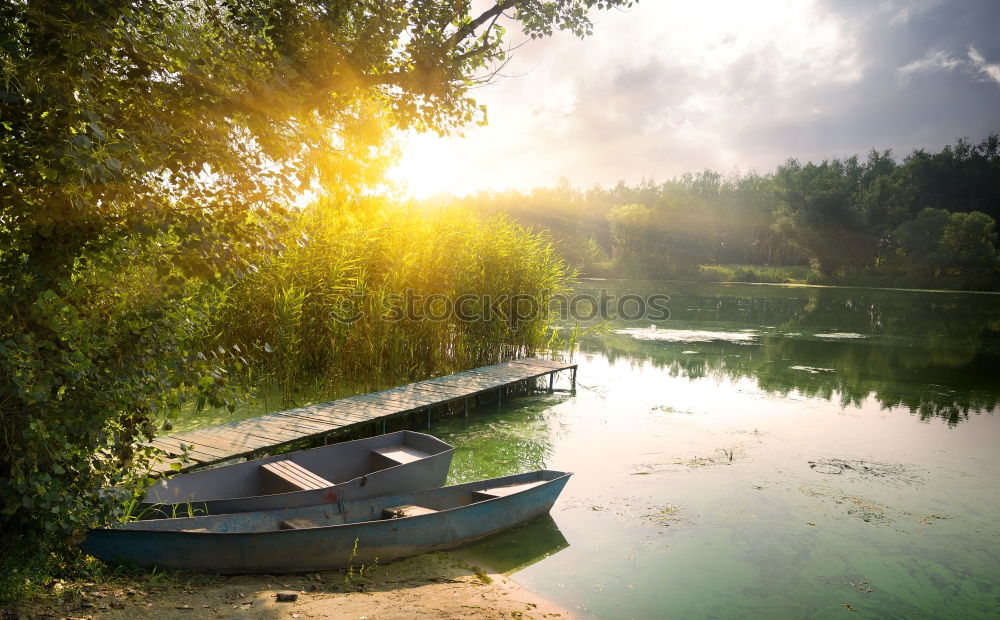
{"points": [[382, 465], [331, 536]]}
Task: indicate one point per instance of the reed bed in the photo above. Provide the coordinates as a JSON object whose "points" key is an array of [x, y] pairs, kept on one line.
{"points": [[383, 294]]}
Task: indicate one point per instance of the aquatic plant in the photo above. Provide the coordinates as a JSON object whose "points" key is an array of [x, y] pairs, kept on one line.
{"points": [[381, 294]]}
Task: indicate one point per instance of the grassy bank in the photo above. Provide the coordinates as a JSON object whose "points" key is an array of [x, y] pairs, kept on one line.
{"points": [[786, 274], [791, 274]]}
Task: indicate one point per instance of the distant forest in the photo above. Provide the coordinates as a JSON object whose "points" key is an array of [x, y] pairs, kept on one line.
{"points": [[928, 221]]}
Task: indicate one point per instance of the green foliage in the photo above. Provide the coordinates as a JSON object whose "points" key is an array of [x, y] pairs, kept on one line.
{"points": [[364, 303], [920, 241], [795, 274], [818, 210], [937, 243], [89, 367], [636, 239]]}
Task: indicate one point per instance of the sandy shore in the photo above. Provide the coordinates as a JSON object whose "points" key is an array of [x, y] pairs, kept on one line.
{"points": [[438, 585]]}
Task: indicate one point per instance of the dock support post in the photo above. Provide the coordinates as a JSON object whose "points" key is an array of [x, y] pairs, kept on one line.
{"points": [[552, 377], [466, 409], [428, 418], [499, 398], [574, 378]]}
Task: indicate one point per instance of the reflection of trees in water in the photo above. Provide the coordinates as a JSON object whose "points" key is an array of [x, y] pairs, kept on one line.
{"points": [[930, 379], [934, 376]]}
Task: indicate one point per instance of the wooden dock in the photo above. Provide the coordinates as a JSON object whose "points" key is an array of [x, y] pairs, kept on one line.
{"points": [[245, 438]]}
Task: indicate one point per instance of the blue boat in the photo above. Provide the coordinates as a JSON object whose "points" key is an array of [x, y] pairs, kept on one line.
{"points": [[331, 536], [382, 465]]}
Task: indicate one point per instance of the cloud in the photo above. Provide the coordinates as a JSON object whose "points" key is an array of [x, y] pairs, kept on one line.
{"points": [[939, 60], [979, 65], [904, 10], [693, 80], [935, 60]]}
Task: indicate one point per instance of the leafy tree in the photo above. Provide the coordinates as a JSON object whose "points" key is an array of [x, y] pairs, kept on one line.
{"points": [[961, 177], [632, 234], [920, 242], [970, 240], [958, 245], [149, 148], [820, 214]]}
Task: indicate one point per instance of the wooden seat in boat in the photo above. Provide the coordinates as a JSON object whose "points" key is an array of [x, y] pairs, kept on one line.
{"points": [[297, 524], [390, 456], [285, 475], [504, 491], [406, 510]]}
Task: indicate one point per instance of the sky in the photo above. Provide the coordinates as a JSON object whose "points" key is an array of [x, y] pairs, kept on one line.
{"points": [[670, 87]]}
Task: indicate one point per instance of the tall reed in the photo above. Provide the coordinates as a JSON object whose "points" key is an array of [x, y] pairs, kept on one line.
{"points": [[330, 313]]}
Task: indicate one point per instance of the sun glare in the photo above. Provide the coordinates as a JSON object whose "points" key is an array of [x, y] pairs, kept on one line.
{"points": [[431, 165]]}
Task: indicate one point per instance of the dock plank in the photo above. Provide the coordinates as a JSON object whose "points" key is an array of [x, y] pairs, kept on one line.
{"points": [[265, 430], [550, 364], [172, 447], [312, 426], [441, 390], [344, 411], [404, 401], [464, 377], [333, 419], [229, 437], [364, 405]]}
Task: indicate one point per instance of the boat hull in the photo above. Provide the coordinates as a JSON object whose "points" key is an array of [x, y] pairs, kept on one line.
{"points": [[349, 465], [232, 548]]}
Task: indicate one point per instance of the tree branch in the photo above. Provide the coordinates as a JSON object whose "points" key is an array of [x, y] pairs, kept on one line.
{"points": [[470, 28], [479, 49]]}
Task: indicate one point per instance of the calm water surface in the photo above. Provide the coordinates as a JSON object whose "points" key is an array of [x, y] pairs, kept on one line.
{"points": [[765, 451]]}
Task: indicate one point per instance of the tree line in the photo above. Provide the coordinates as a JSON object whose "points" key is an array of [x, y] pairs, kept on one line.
{"points": [[929, 220]]}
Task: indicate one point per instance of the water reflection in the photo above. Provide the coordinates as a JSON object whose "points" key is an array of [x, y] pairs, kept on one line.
{"points": [[520, 547], [937, 354]]}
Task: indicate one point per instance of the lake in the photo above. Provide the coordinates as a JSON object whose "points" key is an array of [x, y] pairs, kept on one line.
{"points": [[763, 451]]}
